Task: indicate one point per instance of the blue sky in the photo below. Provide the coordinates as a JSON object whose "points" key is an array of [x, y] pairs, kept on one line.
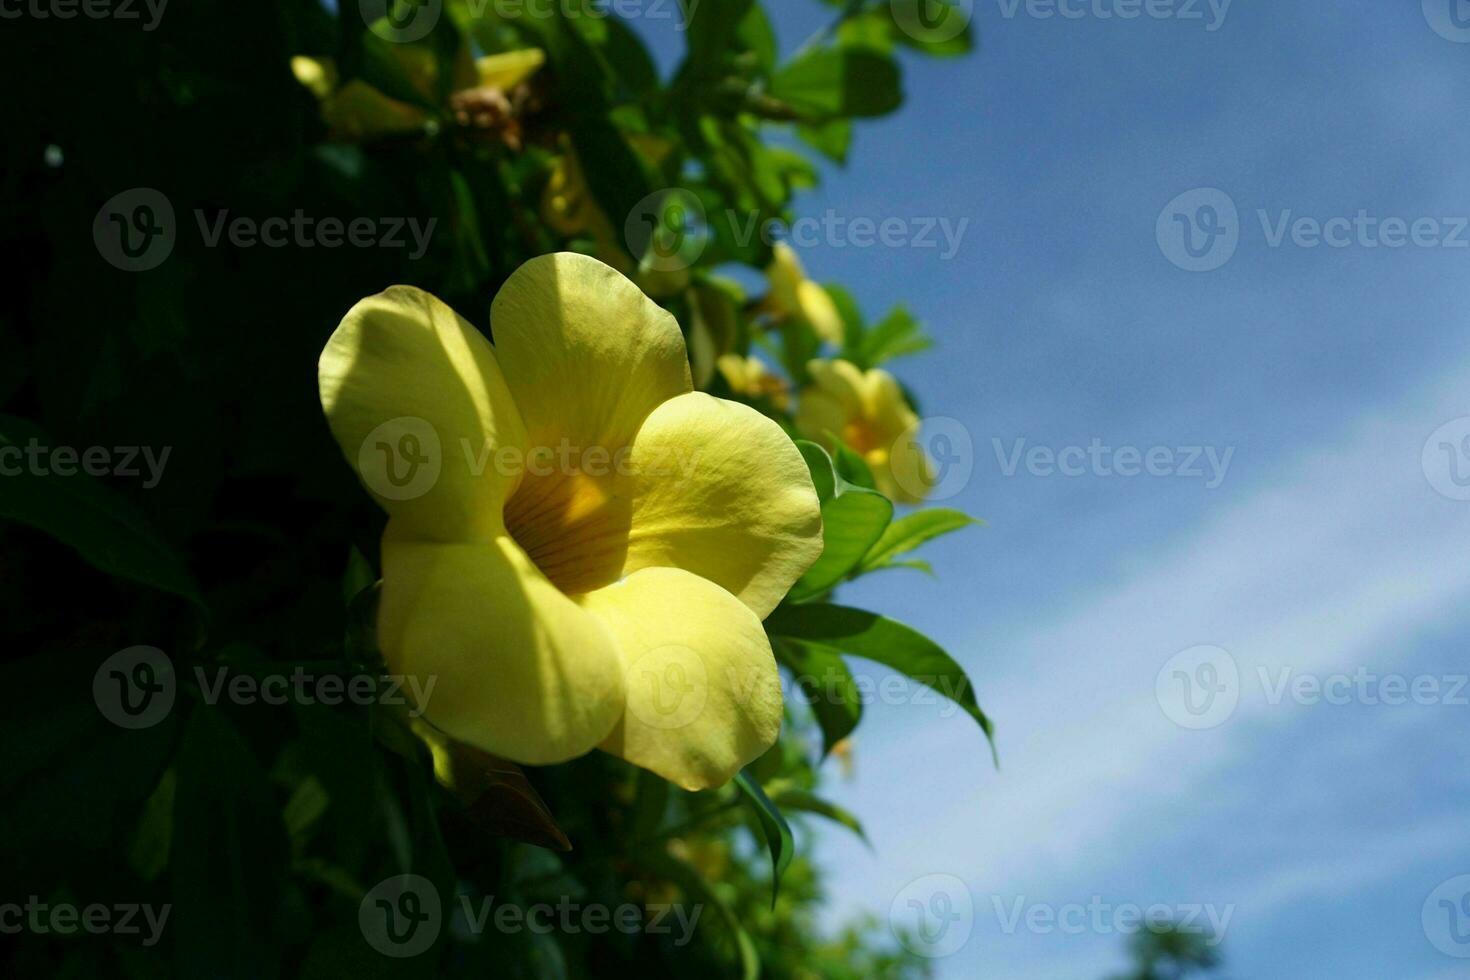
{"points": [[1325, 550]]}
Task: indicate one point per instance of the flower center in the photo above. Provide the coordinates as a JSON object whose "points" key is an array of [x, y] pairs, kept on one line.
{"points": [[572, 525], [861, 436]]}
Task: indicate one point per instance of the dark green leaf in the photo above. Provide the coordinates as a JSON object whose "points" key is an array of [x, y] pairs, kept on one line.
{"points": [[86, 515], [860, 633], [828, 685], [229, 857], [799, 800], [778, 832], [693, 885]]}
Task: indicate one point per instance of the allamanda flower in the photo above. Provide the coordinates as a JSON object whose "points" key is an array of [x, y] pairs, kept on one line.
{"points": [[794, 295], [600, 577], [358, 111], [750, 377], [867, 411]]}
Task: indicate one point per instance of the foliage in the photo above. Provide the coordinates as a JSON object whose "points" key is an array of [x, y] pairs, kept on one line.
{"points": [[254, 555], [1169, 952]]}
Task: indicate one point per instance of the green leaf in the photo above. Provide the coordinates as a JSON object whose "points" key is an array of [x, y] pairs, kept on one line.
{"points": [[693, 884], [853, 519], [756, 35], [931, 26], [839, 82], [230, 852], [896, 335], [831, 139], [72, 780], [828, 685], [916, 564], [860, 633], [819, 464], [85, 514], [778, 832], [852, 467], [799, 344], [420, 73], [629, 60], [712, 28], [908, 533], [613, 169], [792, 798]]}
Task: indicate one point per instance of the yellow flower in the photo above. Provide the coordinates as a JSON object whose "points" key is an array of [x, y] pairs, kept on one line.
{"points": [[750, 377], [507, 70], [580, 548], [794, 295], [358, 111], [568, 206], [355, 111], [868, 412]]}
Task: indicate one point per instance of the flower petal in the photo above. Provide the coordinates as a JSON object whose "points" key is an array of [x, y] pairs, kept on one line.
{"points": [[831, 401], [518, 669], [506, 70], [357, 111], [586, 354], [407, 384], [906, 476], [703, 693], [719, 490], [902, 469], [885, 404], [818, 310], [785, 276]]}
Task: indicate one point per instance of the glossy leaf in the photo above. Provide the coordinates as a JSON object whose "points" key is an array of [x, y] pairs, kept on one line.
{"points": [[859, 633], [853, 520], [777, 831], [908, 533], [797, 800]]}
